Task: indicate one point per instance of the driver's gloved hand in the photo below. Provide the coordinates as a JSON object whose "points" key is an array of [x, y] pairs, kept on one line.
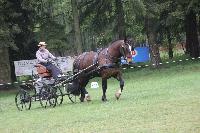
{"points": [[49, 61]]}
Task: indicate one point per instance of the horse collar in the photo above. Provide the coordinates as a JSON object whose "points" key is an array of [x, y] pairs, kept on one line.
{"points": [[109, 56]]}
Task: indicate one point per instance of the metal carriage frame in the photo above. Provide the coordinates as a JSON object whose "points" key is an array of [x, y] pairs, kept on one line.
{"points": [[50, 95]]}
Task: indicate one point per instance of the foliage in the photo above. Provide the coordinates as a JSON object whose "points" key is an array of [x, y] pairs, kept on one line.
{"points": [[6, 39], [26, 22], [96, 16]]}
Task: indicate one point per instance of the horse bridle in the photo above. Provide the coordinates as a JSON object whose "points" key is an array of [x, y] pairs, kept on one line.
{"points": [[123, 49], [122, 52]]}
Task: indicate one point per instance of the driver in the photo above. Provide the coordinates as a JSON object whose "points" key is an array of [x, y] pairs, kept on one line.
{"points": [[43, 55]]}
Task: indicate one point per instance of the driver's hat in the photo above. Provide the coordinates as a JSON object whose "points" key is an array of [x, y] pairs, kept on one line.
{"points": [[42, 44]]}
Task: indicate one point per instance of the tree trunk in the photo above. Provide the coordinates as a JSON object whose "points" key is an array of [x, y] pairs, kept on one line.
{"points": [[120, 19], [154, 50], [5, 72], [192, 44], [170, 48], [199, 23], [151, 36], [199, 29], [75, 12]]}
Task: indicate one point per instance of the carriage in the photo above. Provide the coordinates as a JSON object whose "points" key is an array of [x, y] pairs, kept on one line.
{"points": [[51, 94], [86, 66]]}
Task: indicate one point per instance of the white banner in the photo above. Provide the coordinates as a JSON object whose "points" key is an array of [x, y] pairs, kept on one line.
{"points": [[26, 67]]}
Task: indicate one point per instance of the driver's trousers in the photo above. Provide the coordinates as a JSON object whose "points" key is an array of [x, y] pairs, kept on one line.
{"points": [[55, 71]]}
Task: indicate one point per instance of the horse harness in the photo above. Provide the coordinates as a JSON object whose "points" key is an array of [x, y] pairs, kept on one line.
{"points": [[108, 58], [111, 58], [77, 63]]}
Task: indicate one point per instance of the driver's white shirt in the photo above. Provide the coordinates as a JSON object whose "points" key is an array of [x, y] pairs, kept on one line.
{"points": [[43, 55]]}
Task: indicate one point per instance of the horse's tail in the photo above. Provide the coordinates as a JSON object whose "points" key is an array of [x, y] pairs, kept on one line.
{"points": [[75, 66]]}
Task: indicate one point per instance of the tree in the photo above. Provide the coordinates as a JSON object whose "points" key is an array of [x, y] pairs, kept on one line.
{"points": [[77, 32], [192, 44], [170, 17], [5, 72], [191, 9], [121, 30], [102, 21], [151, 28], [5, 43]]}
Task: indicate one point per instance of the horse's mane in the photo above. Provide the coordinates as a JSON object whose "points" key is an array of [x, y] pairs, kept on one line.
{"points": [[112, 42], [109, 44]]}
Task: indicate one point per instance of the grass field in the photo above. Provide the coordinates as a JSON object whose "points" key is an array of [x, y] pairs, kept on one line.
{"points": [[153, 101]]}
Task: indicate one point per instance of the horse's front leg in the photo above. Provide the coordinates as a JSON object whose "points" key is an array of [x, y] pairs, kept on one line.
{"points": [[104, 88], [121, 82]]}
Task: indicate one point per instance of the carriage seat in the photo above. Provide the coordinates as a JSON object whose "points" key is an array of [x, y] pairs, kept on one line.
{"points": [[42, 71]]}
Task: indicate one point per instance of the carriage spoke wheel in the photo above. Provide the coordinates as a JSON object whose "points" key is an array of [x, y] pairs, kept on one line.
{"points": [[43, 96], [72, 98], [23, 100], [52, 100], [59, 95], [47, 97]]}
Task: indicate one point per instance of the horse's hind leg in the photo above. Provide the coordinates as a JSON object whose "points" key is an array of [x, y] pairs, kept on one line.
{"points": [[84, 93], [104, 88]]}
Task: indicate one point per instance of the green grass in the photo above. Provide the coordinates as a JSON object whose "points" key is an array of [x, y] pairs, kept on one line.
{"points": [[153, 101]]}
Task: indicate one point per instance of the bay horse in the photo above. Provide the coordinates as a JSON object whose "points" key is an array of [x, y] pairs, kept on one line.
{"points": [[104, 64]]}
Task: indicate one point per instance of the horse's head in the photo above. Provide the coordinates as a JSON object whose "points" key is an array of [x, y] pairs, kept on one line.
{"points": [[125, 49]]}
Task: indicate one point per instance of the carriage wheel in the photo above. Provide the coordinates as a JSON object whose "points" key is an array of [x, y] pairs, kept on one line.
{"points": [[72, 98], [59, 95], [47, 96], [52, 101], [23, 100]]}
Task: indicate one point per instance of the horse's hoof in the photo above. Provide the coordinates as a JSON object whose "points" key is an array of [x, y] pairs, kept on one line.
{"points": [[87, 97], [81, 99], [104, 99], [118, 94]]}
